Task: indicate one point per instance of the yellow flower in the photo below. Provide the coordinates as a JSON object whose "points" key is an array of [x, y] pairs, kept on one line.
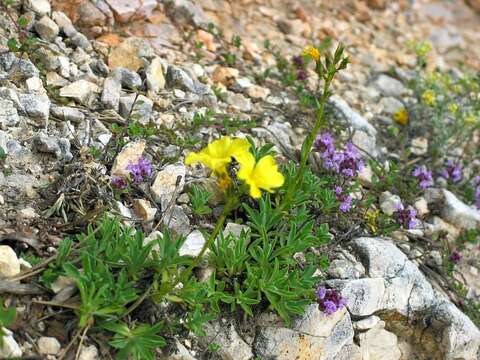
{"points": [[452, 108], [429, 97], [261, 175], [470, 119], [312, 52], [401, 116], [218, 154], [371, 217]]}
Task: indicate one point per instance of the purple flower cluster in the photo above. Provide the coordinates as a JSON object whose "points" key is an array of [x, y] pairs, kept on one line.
{"points": [[406, 216], [329, 300], [299, 63], [452, 172], [347, 162], [140, 170], [345, 200], [119, 182], [455, 257], [476, 182], [424, 176]]}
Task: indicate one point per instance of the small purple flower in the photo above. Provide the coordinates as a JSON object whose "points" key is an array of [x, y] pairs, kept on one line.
{"points": [[424, 176], [452, 172], [140, 170], [329, 300], [345, 200], [351, 162], [406, 217], [477, 197], [119, 182], [302, 75], [325, 144], [455, 257], [298, 61]]}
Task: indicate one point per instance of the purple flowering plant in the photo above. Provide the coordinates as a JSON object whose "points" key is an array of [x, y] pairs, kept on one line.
{"points": [[452, 172], [138, 172], [329, 300], [423, 176], [405, 216]]}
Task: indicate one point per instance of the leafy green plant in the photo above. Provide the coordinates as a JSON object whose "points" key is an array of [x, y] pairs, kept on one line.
{"points": [[199, 199], [139, 342], [7, 316]]}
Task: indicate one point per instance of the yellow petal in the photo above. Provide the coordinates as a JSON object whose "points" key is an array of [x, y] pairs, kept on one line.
{"points": [[266, 174], [262, 175], [247, 164]]}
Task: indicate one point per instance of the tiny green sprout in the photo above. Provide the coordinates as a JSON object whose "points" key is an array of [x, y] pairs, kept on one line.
{"points": [[13, 45], [237, 41], [199, 199], [3, 154], [7, 316], [214, 347], [22, 21]]}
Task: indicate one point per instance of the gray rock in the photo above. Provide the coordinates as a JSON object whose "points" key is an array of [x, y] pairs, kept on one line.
{"points": [[459, 336], [232, 346], [82, 91], [314, 336], [378, 343], [176, 220], [23, 69], [168, 182], [193, 244], [364, 296], [67, 113], [185, 12], [47, 28], [139, 110], [41, 7], [365, 142], [343, 269], [154, 75], [35, 106], [389, 86], [8, 114], [178, 78], [80, 40], [9, 264], [112, 88], [60, 147], [180, 353], [367, 323], [446, 38], [458, 213], [240, 102], [406, 289], [10, 349], [129, 79], [353, 119], [391, 105], [48, 345], [7, 60]]}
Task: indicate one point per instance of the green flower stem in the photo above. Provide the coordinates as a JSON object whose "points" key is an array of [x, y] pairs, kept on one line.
{"points": [[308, 143], [231, 204]]}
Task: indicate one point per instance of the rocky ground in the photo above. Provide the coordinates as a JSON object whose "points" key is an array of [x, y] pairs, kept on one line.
{"points": [[120, 79]]}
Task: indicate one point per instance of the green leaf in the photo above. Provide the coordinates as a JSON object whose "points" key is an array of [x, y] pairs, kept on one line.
{"points": [[22, 21], [12, 45]]}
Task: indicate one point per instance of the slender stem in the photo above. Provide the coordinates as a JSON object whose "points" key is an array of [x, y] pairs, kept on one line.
{"points": [[229, 206], [308, 143]]}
